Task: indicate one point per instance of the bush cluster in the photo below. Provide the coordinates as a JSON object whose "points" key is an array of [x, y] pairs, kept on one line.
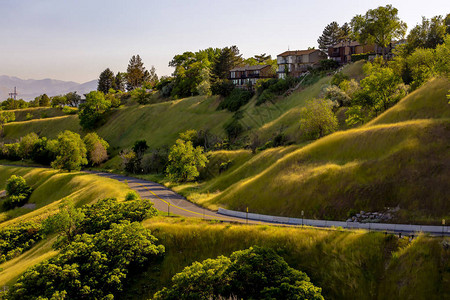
{"points": [[17, 191], [14, 240]]}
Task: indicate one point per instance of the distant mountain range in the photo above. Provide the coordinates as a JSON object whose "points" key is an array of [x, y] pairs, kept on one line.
{"points": [[30, 88]]}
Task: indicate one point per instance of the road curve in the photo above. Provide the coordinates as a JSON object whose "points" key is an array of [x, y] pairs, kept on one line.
{"points": [[167, 200]]}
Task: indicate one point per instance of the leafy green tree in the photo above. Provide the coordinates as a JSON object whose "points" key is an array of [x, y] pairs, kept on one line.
{"points": [[91, 112], [106, 81], [58, 101], [429, 34], [355, 116], [380, 26], [96, 148], [93, 266], [72, 99], [422, 66], [44, 100], [70, 152], [380, 89], [65, 222], [184, 161], [317, 119], [18, 238], [255, 273], [27, 144], [44, 151], [120, 81], [6, 117], [136, 73]]}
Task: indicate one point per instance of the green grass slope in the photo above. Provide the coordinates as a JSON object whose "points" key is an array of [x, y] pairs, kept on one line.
{"points": [[49, 127], [404, 163], [429, 101], [37, 113], [50, 187], [347, 265]]}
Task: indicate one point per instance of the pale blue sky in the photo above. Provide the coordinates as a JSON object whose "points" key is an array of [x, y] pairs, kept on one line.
{"points": [[77, 39]]}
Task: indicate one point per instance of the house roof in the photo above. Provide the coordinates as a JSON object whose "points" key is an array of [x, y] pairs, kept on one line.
{"points": [[249, 68], [298, 52]]}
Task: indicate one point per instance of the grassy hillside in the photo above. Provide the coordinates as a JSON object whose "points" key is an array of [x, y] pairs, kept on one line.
{"points": [[427, 102], [50, 187], [347, 265], [49, 127], [404, 164], [37, 113]]}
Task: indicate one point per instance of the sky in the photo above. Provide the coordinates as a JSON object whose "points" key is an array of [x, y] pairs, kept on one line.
{"points": [[75, 40]]}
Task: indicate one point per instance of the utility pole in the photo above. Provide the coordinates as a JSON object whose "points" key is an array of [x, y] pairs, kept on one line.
{"points": [[13, 95]]}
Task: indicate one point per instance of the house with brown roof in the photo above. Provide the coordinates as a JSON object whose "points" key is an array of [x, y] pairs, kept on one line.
{"points": [[247, 76], [294, 63]]}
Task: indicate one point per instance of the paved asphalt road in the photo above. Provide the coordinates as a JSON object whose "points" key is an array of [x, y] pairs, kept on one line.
{"points": [[164, 199]]}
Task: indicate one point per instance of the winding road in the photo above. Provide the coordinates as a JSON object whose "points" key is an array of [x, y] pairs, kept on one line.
{"points": [[168, 201], [165, 199]]}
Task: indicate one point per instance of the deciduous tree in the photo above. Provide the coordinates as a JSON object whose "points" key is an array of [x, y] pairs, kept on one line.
{"points": [[70, 152], [380, 26]]}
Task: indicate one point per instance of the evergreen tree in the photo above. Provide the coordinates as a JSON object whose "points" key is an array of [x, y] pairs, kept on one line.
{"points": [[331, 35], [136, 73], [106, 81], [120, 81], [44, 100], [228, 58]]}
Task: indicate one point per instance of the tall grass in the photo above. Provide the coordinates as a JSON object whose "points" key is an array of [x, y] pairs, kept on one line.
{"points": [[347, 265]]}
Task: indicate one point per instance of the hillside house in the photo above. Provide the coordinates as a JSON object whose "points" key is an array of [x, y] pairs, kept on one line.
{"points": [[343, 51], [246, 76], [294, 63]]}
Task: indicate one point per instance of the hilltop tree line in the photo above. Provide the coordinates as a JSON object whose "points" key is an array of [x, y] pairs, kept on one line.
{"points": [[381, 26]]}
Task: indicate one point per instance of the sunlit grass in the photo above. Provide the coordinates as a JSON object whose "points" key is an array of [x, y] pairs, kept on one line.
{"points": [[50, 187]]}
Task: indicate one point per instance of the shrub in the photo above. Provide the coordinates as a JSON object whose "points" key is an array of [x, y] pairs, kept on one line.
{"points": [[236, 99], [16, 239], [96, 148], [222, 87], [17, 191], [132, 195], [70, 110], [267, 95], [338, 78], [28, 117]]}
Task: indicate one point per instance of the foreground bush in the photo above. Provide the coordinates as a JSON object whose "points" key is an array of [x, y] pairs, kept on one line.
{"points": [[255, 273], [91, 267], [14, 240]]}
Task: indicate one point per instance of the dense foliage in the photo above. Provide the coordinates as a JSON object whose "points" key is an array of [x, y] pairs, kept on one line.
{"points": [[93, 266], [14, 240], [70, 152], [17, 191], [102, 243], [184, 160], [317, 119], [255, 273]]}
